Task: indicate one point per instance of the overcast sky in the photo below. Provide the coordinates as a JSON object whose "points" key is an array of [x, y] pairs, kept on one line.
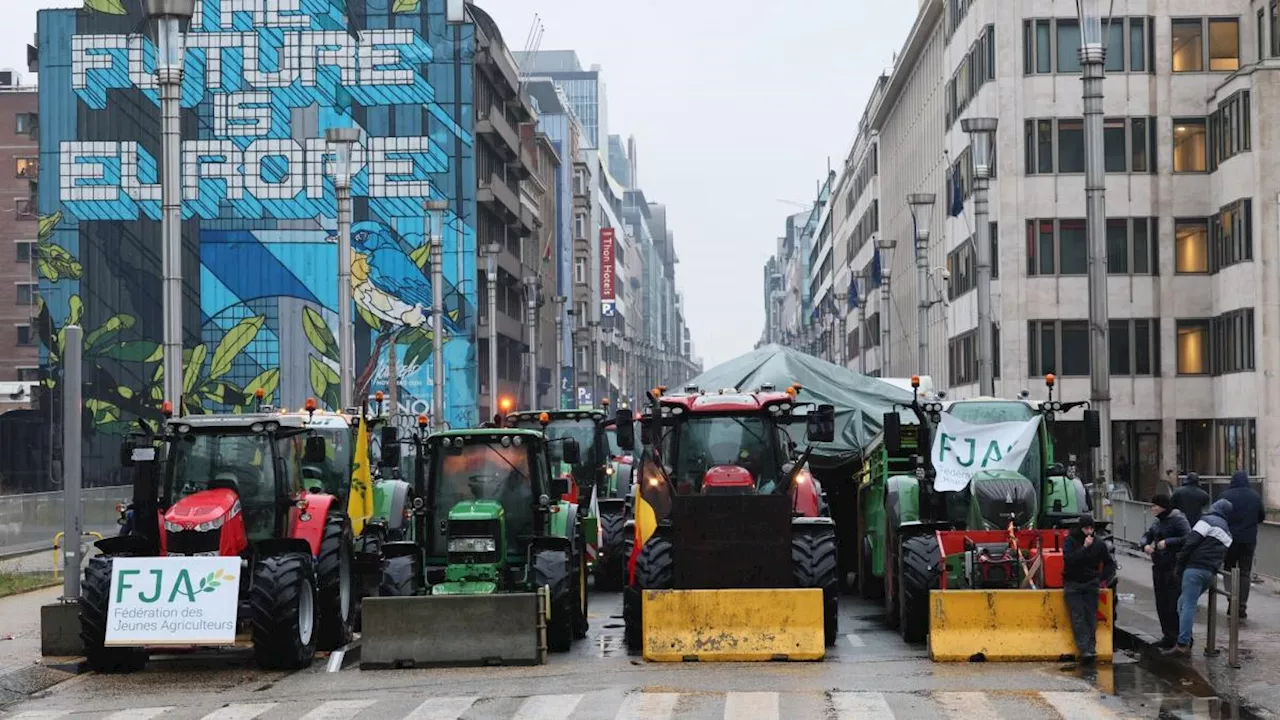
{"points": [[734, 106]]}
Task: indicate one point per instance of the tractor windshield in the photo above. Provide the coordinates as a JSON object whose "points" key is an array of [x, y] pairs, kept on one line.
{"points": [[334, 473], [239, 462], [584, 431], [703, 442], [985, 413], [484, 471]]}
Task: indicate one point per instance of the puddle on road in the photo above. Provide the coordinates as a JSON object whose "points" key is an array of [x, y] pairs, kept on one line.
{"points": [[610, 645], [1173, 690]]}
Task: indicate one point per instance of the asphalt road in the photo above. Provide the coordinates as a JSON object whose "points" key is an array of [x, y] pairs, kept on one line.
{"points": [[870, 674]]}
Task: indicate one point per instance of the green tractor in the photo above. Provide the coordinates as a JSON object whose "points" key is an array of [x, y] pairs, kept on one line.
{"points": [[594, 477], [901, 515], [497, 558]]}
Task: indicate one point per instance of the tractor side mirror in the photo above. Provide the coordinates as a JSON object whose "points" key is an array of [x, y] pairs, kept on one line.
{"points": [[571, 453], [390, 448], [821, 424], [1093, 428], [559, 487], [314, 453], [892, 424], [626, 429]]}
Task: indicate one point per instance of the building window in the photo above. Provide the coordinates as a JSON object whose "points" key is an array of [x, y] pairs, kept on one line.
{"points": [[23, 251], [580, 270], [1188, 45], [580, 316], [975, 70], [24, 335], [1190, 41], [1070, 145], [1128, 145], [579, 182], [580, 226], [26, 124], [1067, 38], [962, 359], [1193, 347], [1057, 247], [1224, 44], [1274, 27], [1262, 37], [1232, 230], [1191, 246], [963, 267], [1128, 44], [1058, 346], [28, 167], [1189, 145], [956, 12], [1129, 247], [1236, 445], [1135, 346], [1230, 129], [1231, 336], [24, 208], [26, 293], [28, 374]]}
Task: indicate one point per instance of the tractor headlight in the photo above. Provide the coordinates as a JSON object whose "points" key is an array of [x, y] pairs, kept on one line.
{"points": [[472, 545]]}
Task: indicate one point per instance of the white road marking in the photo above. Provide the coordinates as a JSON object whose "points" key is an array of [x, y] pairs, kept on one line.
{"points": [[966, 705], [139, 713], [338, 709], [751, 706], [855, 641], [39, 715], [442, 708], [240, 711], [860, 706], [648, 706], [547, 707], [1078, 705]]}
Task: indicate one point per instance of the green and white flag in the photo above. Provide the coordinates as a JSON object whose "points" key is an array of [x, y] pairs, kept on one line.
{"points": [[960, 449]]}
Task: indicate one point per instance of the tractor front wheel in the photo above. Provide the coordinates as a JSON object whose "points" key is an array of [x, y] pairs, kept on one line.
{"points": [[283, 608], [920, 566], [400, 577], [815, 563], [95, 595], [655, 570], [336, 587], [552, 568]]}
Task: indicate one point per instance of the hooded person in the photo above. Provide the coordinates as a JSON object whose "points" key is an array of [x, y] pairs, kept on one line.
{"points": [[1087, 565], [1191, 498], [1161, 543], [1246, 512], [1203, 551]]}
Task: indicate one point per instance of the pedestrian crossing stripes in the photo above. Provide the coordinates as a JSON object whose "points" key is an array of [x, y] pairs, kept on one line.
{"points": [[642, 705]]}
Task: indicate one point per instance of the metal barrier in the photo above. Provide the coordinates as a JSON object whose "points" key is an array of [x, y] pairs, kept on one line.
{"points": [[28, 522], [1131, 518], [1233, 618], [57, 549]]}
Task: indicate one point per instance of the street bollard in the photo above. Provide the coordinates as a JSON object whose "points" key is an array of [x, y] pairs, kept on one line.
{"points": [[71, 476], [1233, 619]]}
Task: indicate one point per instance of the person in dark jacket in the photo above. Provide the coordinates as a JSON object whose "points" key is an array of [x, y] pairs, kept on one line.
{"points": [[1161, 542], [1246, 512], [1202, 553], [1087, 565], [1191, 499]]}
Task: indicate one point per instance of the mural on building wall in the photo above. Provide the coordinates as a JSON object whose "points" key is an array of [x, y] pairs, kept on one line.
{"points": [[262, 83]]}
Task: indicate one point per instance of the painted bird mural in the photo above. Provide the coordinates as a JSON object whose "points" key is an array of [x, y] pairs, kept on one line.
{"points": [[387, 283]]}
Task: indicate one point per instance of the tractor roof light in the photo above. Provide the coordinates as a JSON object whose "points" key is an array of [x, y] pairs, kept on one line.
{"points": [[1050, 379], [915, 381], [260, 393], [422, 421], [310, 407], [544, 418], [166, 408], [378, 396]]}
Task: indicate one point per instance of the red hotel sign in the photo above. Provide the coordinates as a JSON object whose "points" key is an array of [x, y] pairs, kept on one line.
{"points": [[607, 291]]}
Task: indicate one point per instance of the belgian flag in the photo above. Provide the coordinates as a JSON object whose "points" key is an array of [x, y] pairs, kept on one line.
{"points": [[652, 503]]}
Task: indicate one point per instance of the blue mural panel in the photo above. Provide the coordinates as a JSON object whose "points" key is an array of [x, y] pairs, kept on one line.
{"points": [[260, 88]]}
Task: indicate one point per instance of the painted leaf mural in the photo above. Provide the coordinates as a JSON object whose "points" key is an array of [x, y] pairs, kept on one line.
{"points": [[107, 7]]}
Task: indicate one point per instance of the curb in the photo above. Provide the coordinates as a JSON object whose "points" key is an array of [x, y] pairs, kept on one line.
{"points": [[24, 682]]}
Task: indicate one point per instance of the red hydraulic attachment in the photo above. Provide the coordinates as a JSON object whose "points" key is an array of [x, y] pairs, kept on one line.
{"points": [[1042, 556]]}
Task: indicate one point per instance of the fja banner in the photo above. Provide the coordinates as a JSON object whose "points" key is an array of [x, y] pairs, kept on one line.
{"points": [[960, 449]]}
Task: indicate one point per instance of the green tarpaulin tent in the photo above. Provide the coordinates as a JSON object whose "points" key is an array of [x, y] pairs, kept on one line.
{"points": [[860, 400]]}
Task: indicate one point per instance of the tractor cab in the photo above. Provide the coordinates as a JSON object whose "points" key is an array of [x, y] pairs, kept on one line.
{"points": [[586, 428]]}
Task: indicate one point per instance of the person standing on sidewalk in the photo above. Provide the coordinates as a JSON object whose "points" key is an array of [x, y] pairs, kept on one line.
{"points": [[1087, 565], [1191, 499], [1201, 556], [1246, 512], [1161, 543]]}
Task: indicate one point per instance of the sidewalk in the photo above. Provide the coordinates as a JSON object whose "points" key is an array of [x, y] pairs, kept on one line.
{"points": [[23, 670], [1257, 682]]}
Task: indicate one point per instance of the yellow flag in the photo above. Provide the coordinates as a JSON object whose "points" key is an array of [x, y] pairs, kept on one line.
{"points": [[360, 499]]}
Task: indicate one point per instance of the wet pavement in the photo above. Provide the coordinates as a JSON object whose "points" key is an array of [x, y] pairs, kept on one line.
{"points": [[870, 673]]}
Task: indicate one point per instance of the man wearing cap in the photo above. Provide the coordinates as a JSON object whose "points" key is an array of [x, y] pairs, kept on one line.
{"points": [[1161, 542], [1087, 564]]}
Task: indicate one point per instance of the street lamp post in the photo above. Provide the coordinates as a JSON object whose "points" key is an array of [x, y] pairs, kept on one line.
{"points": [[886, 246], [1093, 57], [169, 15], [435, 227], [559, 301], [594, 326], [341, 141], [491, 251], [981, 138], [531, 319], [842, 344], [921, 205]]}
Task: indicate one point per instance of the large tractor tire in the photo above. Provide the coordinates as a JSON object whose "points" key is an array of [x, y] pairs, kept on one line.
{"points": [[399, 577], [581, 594], [920, 563], [816, 564], [655, 570], [610, 574], [553, 568], [95, 596], [336, 585], [283, 611]]}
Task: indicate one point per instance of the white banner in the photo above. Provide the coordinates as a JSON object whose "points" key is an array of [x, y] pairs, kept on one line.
{"points": [[173, 601], [960, 449]]}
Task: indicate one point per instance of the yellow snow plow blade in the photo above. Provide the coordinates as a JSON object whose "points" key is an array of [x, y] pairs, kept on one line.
{"points": [[733, 625], [1008, 625]]}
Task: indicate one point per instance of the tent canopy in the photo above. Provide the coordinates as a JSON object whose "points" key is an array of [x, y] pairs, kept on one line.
{"points": [[860, 400]]}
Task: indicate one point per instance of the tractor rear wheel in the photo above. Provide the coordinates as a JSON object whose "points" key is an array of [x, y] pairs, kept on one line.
{"points": [[283, 609], [609, 573], [920, 566], [815, 563], [655, 570], [95, 596], [335, 582], [552, 568], [399, 577]]}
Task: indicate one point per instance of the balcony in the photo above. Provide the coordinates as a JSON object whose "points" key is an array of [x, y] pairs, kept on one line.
{"points": [[495, 61], [494, 128], [526, 168], [528, 223], [500, 199], [582, 201]]}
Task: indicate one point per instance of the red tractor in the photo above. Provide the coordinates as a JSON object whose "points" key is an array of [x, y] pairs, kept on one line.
{"points": [[232, 486], [724, 501]]}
